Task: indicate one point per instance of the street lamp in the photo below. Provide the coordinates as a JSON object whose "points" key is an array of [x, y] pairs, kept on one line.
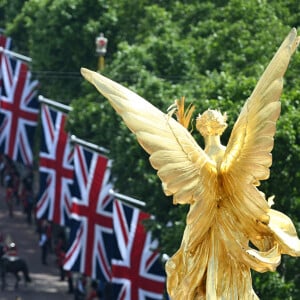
{"points": [[101, 47]]}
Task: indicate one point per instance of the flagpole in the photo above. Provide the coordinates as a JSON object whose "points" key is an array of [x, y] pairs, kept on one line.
{"points": [[54, 103], [88, 144], [16, 55], [126, 198]]}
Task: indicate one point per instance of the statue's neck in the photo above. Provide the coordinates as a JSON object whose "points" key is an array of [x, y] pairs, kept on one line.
{"points": [[212, 141], [213, 147]]}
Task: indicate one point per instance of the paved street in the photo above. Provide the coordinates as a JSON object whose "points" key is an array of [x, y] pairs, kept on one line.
{"points": [[45, 283]]}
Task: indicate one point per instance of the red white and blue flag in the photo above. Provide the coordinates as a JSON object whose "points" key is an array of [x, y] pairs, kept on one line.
{"points": [[91, 234], [5, 43], [19, 109], [138, 274], [56, 168]]}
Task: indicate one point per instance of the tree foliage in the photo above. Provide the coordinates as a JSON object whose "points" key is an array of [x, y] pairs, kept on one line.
{"points": [[211, 52]]}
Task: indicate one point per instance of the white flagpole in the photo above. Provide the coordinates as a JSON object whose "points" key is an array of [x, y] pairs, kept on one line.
{"points": [[16, 55], [88, 144], [54, 103], [126, 198]]}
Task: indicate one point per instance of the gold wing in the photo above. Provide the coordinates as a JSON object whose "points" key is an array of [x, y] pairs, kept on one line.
{"points": [[248, 153], [185, 170], [247, 160]]}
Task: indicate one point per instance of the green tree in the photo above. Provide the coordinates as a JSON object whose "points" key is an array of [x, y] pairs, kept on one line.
{"points": [[60, 36]]}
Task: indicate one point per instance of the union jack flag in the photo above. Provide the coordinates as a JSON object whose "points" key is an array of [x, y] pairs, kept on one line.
{"points": [[5, 42], [19, 109], [56, 168], [138, 274], [91, 238]]}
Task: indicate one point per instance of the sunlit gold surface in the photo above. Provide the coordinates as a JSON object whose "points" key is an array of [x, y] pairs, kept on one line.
{"points": [[230, 227]]}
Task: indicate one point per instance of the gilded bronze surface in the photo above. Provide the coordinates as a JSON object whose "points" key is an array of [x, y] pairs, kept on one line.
{"points": [[230, 227]]}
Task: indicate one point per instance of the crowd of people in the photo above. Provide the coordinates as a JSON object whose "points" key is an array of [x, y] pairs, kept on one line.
{"points": [[52, 239], [18, 189]]}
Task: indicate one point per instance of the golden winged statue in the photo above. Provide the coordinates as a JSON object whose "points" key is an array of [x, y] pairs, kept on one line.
{"points": [[230, 227]]}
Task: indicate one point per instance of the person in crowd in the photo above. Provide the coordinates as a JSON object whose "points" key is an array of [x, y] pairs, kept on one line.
{"points": [[48, 227], [11, 250], [16, 183], [9, 192], [28, 180], [29, 204], [60, 252], [2, 244], [70, 282], [80, 288], [2, 168], [93, 292], [43, 243], [27, 195]]}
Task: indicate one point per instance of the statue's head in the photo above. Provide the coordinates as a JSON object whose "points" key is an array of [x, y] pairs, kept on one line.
{"points": [[211, 122]]}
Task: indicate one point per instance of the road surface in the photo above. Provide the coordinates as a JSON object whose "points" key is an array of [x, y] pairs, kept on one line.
{"points": [[45, 283]]}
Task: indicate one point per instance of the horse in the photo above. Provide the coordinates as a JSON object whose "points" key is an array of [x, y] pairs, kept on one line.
{"points": [[14, 265]]}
